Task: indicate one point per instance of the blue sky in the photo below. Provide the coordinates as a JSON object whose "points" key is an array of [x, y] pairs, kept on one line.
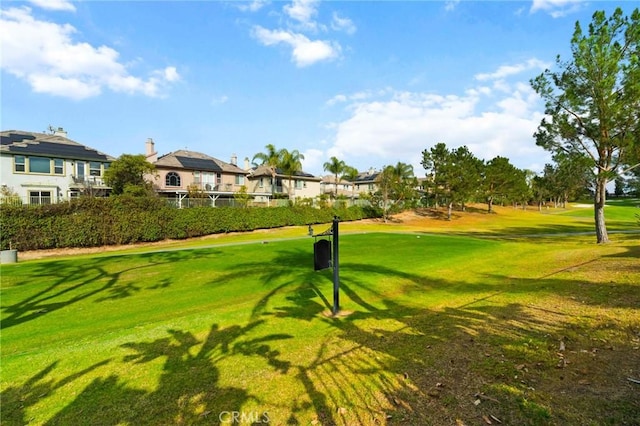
{"points": [[372, 83]]}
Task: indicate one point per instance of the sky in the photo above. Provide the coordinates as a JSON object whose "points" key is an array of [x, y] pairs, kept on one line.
{"points": [[373, 83]]}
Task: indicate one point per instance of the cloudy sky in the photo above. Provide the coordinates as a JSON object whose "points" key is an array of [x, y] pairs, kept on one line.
{"points": [[372, 83]]}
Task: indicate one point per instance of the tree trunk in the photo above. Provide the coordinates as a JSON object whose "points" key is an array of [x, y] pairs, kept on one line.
{"points": [[598, 208], [450, 207], [490, 202]]}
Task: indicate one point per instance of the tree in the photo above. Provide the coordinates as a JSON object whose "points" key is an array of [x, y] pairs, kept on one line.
{"points": [[290, 164], [502, 180], [455, 175], [351, 174], [396, 186], [593, 102], [336, 167], [572, 176], [242, 197], [271, 158], [464, 174], [433, 161], [126, 175]]}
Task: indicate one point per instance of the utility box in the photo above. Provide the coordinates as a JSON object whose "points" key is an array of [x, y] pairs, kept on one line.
{"points": [[321, 255]]}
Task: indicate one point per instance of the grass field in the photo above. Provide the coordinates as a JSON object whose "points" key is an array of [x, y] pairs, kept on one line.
{"points": [[508, 316]]}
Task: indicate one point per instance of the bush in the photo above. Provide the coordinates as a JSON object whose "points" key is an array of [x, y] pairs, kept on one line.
{"points": [[90, 222]]}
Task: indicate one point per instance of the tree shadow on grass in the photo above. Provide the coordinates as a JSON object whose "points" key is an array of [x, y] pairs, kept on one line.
{"points": [[188, 390], [450, 355], [90, 279], [386, 361]]}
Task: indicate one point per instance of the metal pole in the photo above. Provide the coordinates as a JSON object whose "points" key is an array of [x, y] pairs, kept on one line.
{"points": [[336, 265]]}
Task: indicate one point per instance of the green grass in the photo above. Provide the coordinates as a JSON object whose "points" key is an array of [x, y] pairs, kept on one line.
{"points": [[428, 322]]}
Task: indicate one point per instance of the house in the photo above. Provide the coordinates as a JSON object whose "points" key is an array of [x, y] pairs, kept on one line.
{"points": [[185, 176], [44, 168], [345, 188], [367, 182], [266, 184]]}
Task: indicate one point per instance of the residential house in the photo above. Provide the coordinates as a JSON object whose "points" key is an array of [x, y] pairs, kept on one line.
{"points": [[345, 188], [367, 182], [185, 176], [266, 185], [43, 168]]}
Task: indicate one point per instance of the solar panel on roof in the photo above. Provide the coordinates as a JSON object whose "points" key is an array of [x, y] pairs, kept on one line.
{"points": [[15, 137], [59, 150], [199, 164]]}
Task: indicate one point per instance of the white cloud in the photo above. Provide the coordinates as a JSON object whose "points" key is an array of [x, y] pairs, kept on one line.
{"points": [[398, 126], [509, 70], [252, 6], [62, 5], [339, 23], [304, 51], [302, 10], [450, 5], [557, 8], [313, 159], [220, 100], [45, 55]]}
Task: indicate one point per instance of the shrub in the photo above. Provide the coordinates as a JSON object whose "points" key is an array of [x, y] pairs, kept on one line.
{"points": [[90, 222]]}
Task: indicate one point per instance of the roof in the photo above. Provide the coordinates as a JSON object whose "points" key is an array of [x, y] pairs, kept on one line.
{"points": [[18, 142], [370, 176], [197, 161], [331, 180], [264, 170]]}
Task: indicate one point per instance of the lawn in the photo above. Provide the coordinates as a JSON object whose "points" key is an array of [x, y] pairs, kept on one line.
{"points": [[485, 317]]}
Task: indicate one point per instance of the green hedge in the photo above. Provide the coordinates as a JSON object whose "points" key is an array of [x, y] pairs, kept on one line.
{"points": [[90, 222]]}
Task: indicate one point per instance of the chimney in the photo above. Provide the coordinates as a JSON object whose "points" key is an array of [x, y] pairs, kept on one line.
{"points": [[247, 165], [150, 152], [234, 159], [60, 132], [371, 171]]}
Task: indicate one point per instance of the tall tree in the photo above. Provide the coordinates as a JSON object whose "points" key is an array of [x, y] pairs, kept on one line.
{"points": [[396, 186], [464, 174], [335, 166], [593, 101], [127, 175], [270, 158], [501, 180], [455, 175], [433, 161], [351, 174], [290, 164]]}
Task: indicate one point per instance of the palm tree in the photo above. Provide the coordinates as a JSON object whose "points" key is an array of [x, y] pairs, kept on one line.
{"points": [[272, 159], [290, 163], [336, 167], [395, 182], [351, 174]]}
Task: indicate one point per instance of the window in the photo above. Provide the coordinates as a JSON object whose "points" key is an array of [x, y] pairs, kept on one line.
{"points": [[94, 169], [39, 165], [40, 197], [299, 184], [239, 179], [196, 177], [172, 179], [261, 184], [58, 166], [19, 163], [80, 169]]}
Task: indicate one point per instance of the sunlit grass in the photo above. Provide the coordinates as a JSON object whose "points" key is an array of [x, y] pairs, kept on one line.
{"points": [[432, 314]]}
